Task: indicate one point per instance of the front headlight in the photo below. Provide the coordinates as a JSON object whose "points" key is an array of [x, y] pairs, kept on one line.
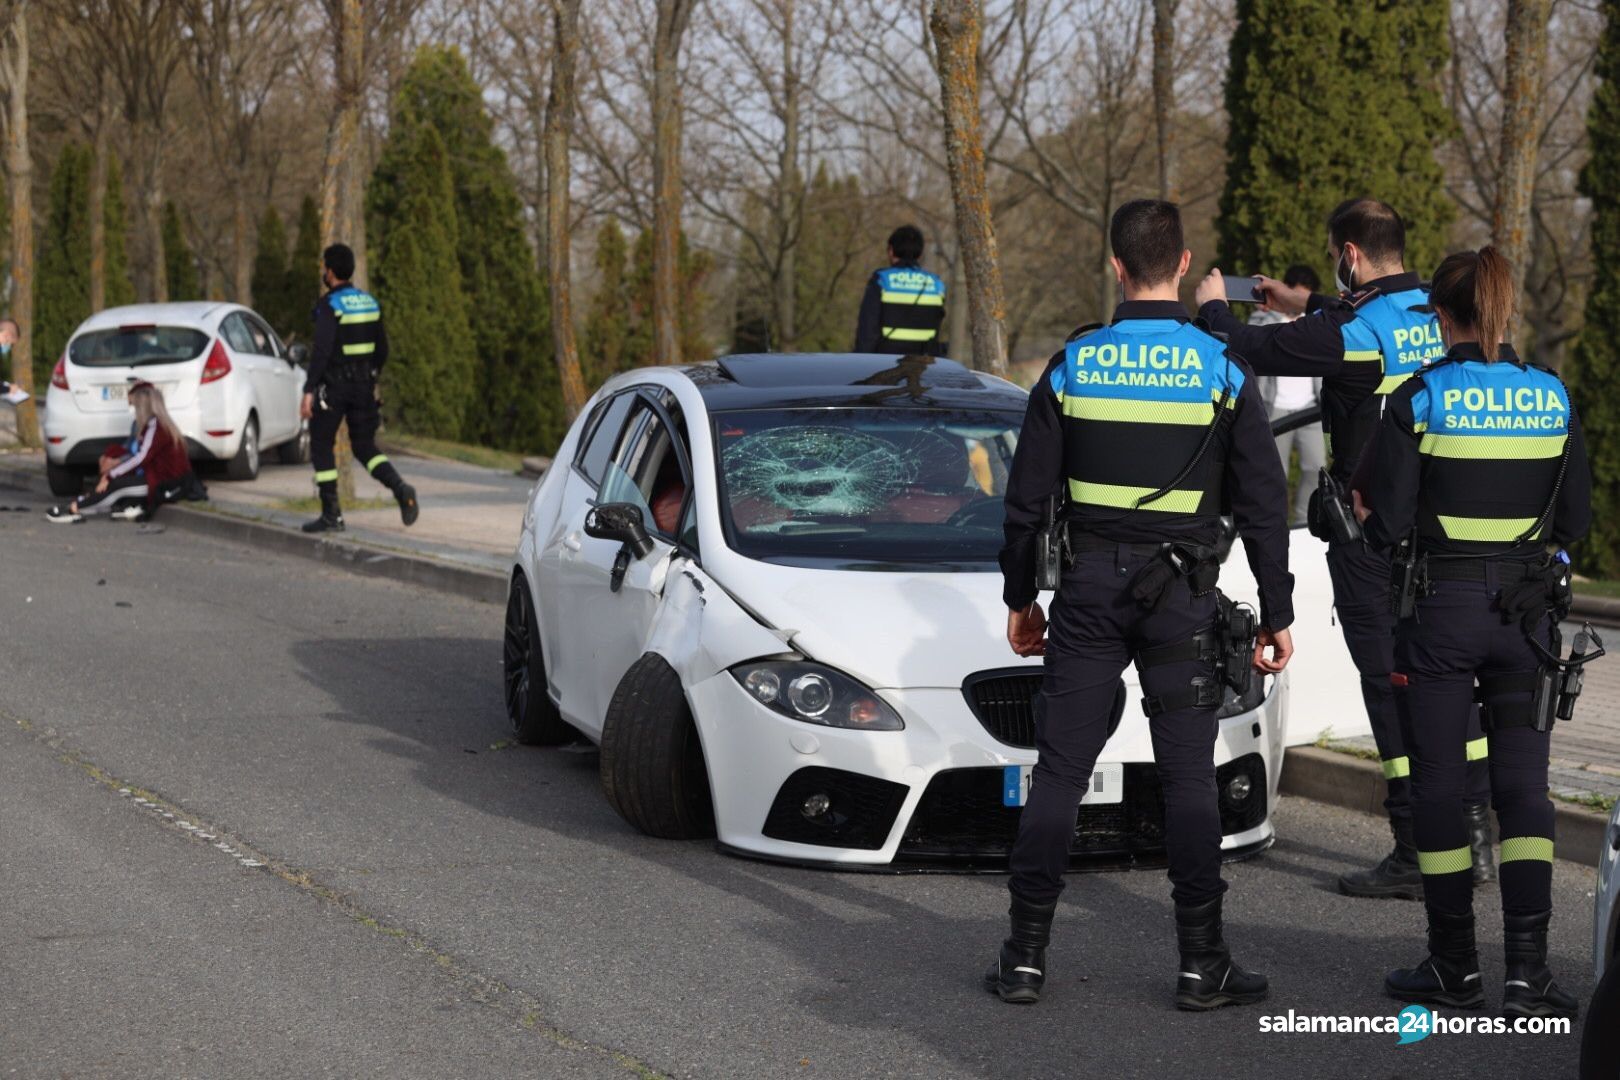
{"points": [[816, 694]]}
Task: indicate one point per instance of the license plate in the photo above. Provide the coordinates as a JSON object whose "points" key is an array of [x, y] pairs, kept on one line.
{"points": [[119, 392], [1107, 784]]}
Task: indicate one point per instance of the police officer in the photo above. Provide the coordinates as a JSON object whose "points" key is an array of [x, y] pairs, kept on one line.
{"points": [[1150, 428], [904, 305], [1481, 455], [1362, 346], [349, 351]]}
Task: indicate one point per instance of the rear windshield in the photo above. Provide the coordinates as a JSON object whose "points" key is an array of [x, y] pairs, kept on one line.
{"points": [[133, 346]]}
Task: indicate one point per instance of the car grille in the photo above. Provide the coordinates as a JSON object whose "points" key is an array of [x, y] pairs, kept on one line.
{"points": [[1007, 700]]}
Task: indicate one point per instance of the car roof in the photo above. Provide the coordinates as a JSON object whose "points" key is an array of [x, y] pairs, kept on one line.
{"points": [[851, 380], [182, 313]]}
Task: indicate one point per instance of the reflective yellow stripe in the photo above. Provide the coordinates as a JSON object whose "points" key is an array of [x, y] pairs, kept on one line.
{"points": [[895, 333], [351, 317], [1183, 501], [1498, 447], [1420, 426], [323, 475], [1136, 411], [362, 349], [1391, 382], [1449, 862], [1231, 402], [1479, 749], [1525, 848], [1354, 355], [909, 299], [1397, 767], [371, 466], [1484, 529]]}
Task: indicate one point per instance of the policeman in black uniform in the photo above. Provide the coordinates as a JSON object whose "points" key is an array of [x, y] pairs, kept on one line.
{"points": [[349, 351], [1150, 429], [1480, 462], [1362, 346], [904, 305]]}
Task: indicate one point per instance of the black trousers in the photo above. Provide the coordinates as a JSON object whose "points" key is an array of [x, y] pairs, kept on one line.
{"points": [[1361, 583], [1096, 629], [356, 403], [1457, 635]]}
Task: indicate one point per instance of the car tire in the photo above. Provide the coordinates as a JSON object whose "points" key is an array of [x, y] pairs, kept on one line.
{"points": [[652, 766], [64, 479], [245, 465], [295, 451], [535, 720]]}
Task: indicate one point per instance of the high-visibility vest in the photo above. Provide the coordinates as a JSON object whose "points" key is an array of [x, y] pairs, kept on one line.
{"points": [[912, 307], [1397, 332]]}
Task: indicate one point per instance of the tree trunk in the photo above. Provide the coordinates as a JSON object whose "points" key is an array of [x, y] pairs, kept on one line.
{"points": [[19, 178], [1521, 123], [957, 25], [1106, 281], [340, 176], [673, 19], [957, 308], [559, 129], [241, 240], [1164, 92], [788, 199], [149, 137], [98, 211]]}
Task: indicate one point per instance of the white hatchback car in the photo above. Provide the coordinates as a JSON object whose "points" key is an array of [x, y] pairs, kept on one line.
{"points": [[767, 587], [229, 383]]}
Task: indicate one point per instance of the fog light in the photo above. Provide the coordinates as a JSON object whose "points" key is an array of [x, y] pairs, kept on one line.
{"points": [[816, 805], [1237, 789], [763, 684]]}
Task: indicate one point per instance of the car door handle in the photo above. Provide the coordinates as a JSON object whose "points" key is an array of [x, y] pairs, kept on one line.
{"points": [[572, 542]]}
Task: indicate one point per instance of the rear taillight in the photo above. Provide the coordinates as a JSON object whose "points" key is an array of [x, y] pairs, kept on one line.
{"points": [[59, 373], [219, 365]]}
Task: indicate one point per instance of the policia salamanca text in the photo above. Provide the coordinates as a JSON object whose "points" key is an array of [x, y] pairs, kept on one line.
{"points": [[1441, 1024]]}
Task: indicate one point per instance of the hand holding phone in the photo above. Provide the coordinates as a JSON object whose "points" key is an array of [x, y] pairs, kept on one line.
{"points": [[1243, 290]]}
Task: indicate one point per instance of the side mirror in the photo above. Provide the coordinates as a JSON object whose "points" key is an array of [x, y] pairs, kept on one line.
{"points": [[621, 522], [298, 354]]}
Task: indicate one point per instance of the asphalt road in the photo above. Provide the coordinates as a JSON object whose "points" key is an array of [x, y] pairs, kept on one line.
{"points": [[361, 877]]}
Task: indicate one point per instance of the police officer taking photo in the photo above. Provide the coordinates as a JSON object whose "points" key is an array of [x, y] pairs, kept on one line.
{"points": [[1146, 430], [904, 305], [348, 353], [1362, 346], [1478, 466]]}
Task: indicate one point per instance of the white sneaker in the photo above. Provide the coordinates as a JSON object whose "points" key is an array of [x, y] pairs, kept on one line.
{"points": [[129, 513], [57, 515]]}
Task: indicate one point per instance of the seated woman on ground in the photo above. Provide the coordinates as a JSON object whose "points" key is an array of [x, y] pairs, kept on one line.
{"points": [[156, 463]]}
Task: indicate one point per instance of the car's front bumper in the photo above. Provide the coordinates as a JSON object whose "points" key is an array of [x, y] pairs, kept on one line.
{"points": [[930, 795]]}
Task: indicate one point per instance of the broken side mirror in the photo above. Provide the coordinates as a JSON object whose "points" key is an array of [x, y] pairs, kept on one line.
{"points": [[621, 522]]}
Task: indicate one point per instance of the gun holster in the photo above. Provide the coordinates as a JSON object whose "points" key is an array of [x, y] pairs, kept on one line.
{"points": [[1053, 553], [1228, 644], [1408, 579], [1328, 515]]}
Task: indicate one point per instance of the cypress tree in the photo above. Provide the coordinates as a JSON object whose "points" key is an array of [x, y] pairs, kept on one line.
{"points": [[829, 283], [303, 284], [120, 287], [1328, 100], [270, 273], [1594, 369], [520, 400], [604, 351], [62, 287], [429, 382], [691, 269], [179, 264]]}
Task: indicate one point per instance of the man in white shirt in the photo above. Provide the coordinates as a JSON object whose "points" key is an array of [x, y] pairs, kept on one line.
{"points": [[1285, 394]]}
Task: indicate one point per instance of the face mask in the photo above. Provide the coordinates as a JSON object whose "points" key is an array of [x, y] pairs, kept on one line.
{"points": [[1344, 274], [5, 349]]}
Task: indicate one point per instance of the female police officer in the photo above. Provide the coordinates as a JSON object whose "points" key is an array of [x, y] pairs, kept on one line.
{"points": [[1480, 462]]}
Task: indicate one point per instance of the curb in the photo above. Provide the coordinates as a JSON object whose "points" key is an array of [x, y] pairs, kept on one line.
{"points": [[1357, 784], [1605, 609], [463, 581]]}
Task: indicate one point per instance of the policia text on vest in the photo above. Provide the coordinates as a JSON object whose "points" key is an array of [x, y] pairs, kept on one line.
{"points": [[350, 349], [1149, 429], [904, 305]]}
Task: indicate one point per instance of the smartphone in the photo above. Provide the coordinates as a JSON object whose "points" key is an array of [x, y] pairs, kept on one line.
{"points": [[1243, 290]]}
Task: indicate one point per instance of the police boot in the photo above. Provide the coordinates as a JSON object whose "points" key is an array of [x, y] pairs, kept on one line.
{"points": [[1530, 990], [1208, 977], [404, 494], [1449, 975], [331, 519], [1396, 875], [1020, 971], [1479, 843]]}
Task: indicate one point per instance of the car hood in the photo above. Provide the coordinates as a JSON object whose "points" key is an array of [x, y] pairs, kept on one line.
{"points": [[888, 629]]}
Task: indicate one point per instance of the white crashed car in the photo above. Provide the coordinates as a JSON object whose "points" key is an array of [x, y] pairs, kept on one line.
{"points": [[767, 587], [1606, 921]]}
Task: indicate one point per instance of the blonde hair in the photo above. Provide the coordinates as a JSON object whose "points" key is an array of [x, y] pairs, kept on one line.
{"points": [[147, 401]]}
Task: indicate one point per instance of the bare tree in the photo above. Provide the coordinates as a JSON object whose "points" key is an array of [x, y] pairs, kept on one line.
{"points": [[19, 180], [1521, 127], [957, 26], [559, 126], [1164, 91], [674, 16]]}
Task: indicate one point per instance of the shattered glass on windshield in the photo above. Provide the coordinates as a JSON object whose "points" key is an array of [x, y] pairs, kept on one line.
{"points": [[828, 470]]}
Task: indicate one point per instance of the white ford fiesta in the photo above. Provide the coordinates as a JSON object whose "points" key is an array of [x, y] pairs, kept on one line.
{"points": [[767, 587], [229, 383]]}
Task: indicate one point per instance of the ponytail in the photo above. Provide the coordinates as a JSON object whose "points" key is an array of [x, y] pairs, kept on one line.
{"points": [[1475, 289]]}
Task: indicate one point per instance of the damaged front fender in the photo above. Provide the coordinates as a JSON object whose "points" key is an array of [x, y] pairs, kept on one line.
{"points": [[701, 630]]}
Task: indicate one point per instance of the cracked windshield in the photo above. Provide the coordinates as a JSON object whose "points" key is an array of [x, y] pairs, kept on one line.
{"points": [[911, 487]]}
